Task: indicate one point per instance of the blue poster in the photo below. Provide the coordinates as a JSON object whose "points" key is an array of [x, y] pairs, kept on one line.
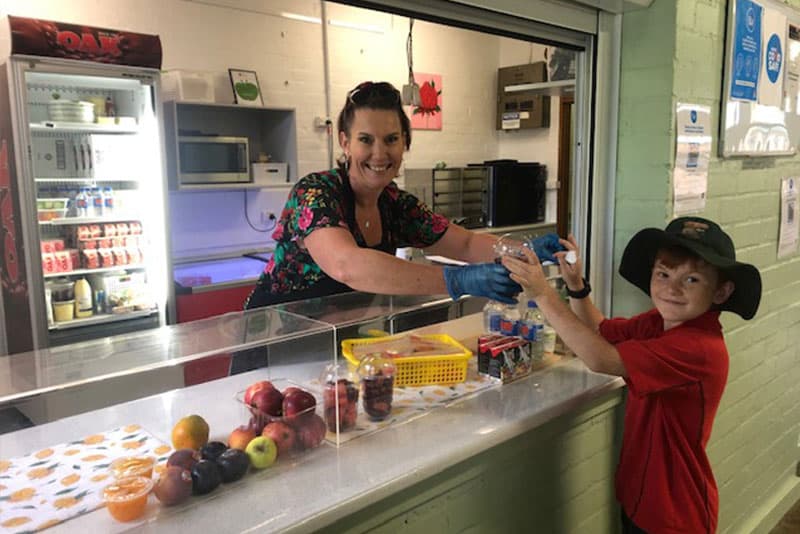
{"points": [[746, 51]]}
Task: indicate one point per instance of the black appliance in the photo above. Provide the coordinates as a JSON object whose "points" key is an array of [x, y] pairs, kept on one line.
{"points": [[516, 192]]}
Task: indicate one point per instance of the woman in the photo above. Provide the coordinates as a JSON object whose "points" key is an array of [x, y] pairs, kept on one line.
{"points": [[339, 229]]}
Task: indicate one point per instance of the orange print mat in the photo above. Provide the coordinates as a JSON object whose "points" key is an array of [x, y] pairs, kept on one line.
{"points": [[50, 486]]}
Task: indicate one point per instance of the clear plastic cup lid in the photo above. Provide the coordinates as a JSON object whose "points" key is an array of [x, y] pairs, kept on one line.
{"points": [[334, 372], [376, 365]]}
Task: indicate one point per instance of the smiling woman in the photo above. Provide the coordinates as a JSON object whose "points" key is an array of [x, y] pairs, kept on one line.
{"points": [[339, 229]]}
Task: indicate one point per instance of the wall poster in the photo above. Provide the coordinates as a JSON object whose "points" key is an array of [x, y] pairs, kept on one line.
{"points": [[692, 158], [788, 233]]}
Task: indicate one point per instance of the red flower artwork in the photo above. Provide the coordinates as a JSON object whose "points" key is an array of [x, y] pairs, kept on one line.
{"points": [[429, 99], [428, 114]]}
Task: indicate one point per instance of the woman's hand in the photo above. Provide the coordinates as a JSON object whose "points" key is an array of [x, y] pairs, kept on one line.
{"points": [[572, 273]]}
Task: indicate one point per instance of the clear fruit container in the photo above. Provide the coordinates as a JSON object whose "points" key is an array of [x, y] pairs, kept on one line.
{"points": [[340, 397], [377, 383], [133, 466], [299, 430]]}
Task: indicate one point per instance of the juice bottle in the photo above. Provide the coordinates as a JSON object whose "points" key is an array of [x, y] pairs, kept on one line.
{"points": [[83, 298]]}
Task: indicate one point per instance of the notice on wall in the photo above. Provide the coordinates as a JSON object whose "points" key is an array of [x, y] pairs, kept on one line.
{"points": [[746, 51], [788, 233], [770, 83], [692, 157]]}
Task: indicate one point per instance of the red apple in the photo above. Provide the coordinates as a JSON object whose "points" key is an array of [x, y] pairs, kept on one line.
{"points": [[282, 434], [298, 402], [290, 389], [253, 388], [240, 437], [310, 431], [268, 401]]}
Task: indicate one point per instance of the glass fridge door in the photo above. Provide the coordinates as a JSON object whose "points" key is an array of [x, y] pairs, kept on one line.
{"points": [[98, 187]]}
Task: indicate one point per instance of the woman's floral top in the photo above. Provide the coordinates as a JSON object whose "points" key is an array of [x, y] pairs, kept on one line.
{"points": [[322, 200]]}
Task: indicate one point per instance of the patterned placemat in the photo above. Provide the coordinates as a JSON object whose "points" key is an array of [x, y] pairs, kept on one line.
{"points": [[50, 486]]}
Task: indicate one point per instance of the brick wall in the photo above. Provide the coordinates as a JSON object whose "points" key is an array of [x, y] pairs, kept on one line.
{"points": [[673, 52]]}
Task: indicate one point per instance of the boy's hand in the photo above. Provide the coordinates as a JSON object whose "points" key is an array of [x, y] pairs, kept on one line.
{"points": [[527, 274], [572, 273]]}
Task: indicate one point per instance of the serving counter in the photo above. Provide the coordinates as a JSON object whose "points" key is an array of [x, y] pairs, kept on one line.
{"points": [[504, 459]]}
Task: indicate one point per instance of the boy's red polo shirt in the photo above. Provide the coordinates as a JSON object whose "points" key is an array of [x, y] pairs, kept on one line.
{"points": [[675, 381]]}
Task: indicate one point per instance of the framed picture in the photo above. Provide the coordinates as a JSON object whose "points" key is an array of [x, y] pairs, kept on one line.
{"points": [[246, 91]]}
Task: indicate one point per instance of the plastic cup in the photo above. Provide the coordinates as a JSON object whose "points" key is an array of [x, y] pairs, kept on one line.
{"points": [[126, 498], [133, 466], [377, 381]]}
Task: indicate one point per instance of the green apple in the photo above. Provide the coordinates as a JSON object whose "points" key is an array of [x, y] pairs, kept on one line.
{"points": [[262, 452]]}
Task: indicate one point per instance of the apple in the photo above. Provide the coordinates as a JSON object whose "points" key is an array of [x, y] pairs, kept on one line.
{"points": [[290, 389], [310, 431], [262, 452], [240, 437], [298, 401], [184, 458], [267, 401], [282, 434], [258, 386]]}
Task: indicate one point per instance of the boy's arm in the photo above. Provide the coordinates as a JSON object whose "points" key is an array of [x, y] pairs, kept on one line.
{"points": [[581, 335], [586, 311]]}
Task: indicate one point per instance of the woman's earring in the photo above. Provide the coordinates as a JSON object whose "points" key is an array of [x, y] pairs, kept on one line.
{"points": [[347, 162]]}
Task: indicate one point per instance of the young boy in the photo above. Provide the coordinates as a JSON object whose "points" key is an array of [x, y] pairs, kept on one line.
{"points": [[673, 360]]}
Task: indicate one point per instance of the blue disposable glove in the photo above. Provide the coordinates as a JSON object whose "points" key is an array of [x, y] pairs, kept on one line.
{"points": [[482, 280], [545, 246]]}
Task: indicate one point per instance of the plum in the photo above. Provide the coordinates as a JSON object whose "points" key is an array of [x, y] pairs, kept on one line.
{"points": [[205, 477], [233, 464], [173, 486], [212, 450]]}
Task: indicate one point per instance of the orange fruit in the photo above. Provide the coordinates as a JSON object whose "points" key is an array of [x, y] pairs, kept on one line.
{"points": [[191, 432]]}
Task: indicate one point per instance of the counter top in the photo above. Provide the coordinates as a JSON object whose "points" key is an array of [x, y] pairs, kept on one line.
{"points": [[328, 483]]}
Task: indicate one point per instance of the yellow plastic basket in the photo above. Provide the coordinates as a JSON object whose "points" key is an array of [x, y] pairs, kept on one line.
{"points": [[420, 370]]}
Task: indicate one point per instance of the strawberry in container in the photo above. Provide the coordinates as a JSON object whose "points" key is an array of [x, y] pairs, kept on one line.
{"points": [[91, 259], [377, 379], [340, 397]]}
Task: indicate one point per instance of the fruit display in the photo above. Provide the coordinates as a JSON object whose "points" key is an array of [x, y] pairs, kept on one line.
{"points": [[191, 432], [126, 498], [377, 381], [287, 418], [340, 392]]}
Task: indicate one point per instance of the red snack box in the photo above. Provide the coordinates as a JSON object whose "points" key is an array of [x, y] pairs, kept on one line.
{"points": [[83, 233], [48, 263], [106, 257], [104, 242], [91, 259], [134, 255], [136, 228], [52, 245], [63, 261], [120, 256], [47, 247], [109, 230], [74, 257], [88, 244], [95, 231], [123, 229]]}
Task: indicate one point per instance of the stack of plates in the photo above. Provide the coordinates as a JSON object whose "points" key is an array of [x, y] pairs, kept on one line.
{"points": [[70, 111]]}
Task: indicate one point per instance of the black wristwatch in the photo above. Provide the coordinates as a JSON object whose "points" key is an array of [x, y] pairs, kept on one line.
{"points": [[581, 293]]}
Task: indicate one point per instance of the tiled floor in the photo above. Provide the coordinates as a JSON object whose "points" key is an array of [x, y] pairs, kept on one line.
{"points": [[790, 524]]}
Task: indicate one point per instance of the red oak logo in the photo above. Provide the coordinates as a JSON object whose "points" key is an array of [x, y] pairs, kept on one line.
{"points": [[87, 43]]}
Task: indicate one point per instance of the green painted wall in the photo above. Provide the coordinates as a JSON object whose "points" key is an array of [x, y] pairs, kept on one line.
{"points": [[673, 52]]}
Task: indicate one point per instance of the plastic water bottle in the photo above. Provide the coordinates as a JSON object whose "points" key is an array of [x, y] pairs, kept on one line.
{"points": [[509, 323], [549, 338], [82, 202], [108, 200], [492, 315], [97, 202], [533, 329]]}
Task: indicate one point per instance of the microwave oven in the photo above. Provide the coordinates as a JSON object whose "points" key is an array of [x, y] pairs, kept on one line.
{"points": [[213, 161], [515, 193]]}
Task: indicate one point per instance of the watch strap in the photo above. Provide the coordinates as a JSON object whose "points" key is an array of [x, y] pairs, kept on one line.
{"points": [[581, 293]]}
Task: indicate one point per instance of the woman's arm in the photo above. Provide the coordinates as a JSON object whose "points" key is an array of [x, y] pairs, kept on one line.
{"points": [[465, 245], [363, 269]]}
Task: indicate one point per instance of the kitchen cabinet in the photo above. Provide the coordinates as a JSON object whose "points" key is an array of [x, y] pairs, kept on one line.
{"points": [[270, 131]]}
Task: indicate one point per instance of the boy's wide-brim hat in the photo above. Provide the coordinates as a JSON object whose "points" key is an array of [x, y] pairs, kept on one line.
{"points": [[708, 241]]}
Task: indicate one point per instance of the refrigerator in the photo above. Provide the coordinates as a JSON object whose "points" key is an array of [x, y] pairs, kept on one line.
{"points": [[83, 242]]}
